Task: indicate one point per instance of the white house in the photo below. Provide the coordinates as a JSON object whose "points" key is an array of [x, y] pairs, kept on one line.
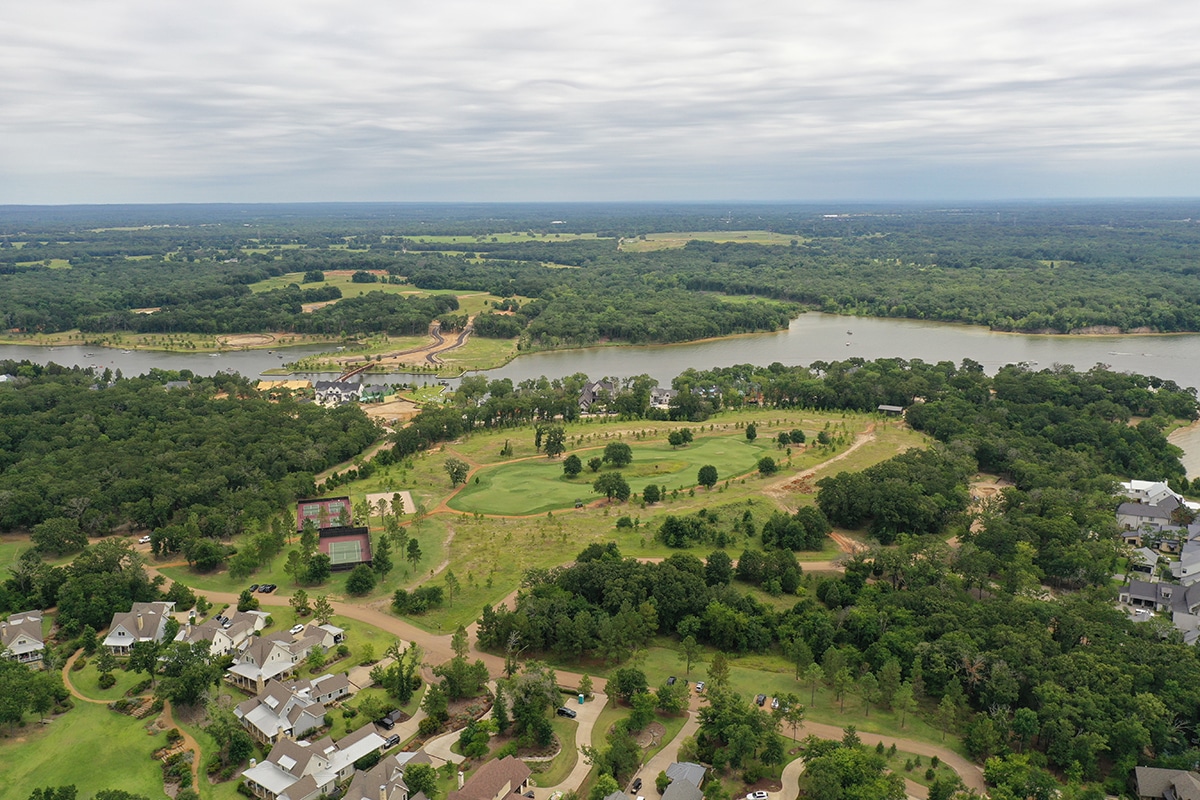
{"points": [[21, 638], [145, 622], [303, 770]]}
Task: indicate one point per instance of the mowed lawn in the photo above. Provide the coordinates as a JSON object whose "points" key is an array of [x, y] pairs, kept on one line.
{"points": [[538, 485], [89, 746]]}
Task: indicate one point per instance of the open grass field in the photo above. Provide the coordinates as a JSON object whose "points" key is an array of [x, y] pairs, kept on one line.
{"points": [[538, 485], [89, 746], [11, 548], [508, 237], [667, 241]]}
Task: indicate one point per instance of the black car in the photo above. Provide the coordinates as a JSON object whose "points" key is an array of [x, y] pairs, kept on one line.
{"points": [[385, 723], [637, 784], [392, 740], [563, 711], [760, 699], [254, 587], [267, 588], [671, 681]]}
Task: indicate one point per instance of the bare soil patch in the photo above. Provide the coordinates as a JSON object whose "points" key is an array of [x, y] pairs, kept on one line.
{"points": [[392, 412], [246, 340]]}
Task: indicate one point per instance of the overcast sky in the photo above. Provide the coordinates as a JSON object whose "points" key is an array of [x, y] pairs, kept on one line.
{"points": [[267, 100]]}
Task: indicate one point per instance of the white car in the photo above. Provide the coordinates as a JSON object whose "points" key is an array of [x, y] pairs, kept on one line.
{"points": [[757, 796], [144, 540], [296, 629]]}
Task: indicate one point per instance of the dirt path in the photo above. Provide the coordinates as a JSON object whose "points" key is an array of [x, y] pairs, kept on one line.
{"points": [[66, 676], [189, 742], [782, 489]]}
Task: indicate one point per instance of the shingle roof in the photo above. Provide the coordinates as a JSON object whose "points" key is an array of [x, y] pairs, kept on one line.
{"points": [[491, 778]]}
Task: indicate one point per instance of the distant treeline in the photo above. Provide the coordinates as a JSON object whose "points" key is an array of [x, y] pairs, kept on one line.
{"points": [[1017, 267]]}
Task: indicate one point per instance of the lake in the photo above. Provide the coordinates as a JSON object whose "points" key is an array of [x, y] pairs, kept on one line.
{"points": [[810, 337]]}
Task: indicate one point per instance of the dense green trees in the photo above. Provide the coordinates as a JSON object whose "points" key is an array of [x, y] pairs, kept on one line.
{"points": [[131, 452]]}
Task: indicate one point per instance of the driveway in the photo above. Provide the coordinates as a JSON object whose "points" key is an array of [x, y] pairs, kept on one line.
{"points": [[585, 717]]}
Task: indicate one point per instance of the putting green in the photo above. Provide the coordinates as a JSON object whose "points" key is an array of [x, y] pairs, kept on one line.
{"points": [[538, 485]]}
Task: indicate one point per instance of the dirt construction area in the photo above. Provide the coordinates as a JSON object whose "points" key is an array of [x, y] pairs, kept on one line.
{"points": [[247, 340], [394, 412]]}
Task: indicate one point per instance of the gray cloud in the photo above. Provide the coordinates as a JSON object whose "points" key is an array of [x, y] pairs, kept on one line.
{"points": [[130, 100]]}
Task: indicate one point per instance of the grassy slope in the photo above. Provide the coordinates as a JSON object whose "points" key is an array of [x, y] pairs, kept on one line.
{"points": [[90, 746]]}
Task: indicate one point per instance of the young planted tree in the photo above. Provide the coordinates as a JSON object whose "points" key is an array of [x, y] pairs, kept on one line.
{"points": [[690, 652], [299, 604], [322, 610], [413, 556], [381, 557]]}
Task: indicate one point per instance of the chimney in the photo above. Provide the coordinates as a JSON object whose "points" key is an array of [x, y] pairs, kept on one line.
{"points": [[460, 780], [253, 762], [139, 622], [382, 792]]}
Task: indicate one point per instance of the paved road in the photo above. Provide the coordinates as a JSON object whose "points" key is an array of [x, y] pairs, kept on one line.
{"points": [[669, 754], [586, 716]]}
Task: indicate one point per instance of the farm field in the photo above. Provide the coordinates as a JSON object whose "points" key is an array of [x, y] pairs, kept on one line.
{"points": [[669, 241]]}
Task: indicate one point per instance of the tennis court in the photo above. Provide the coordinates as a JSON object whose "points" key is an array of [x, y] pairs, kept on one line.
{"points": [[345, 553]]}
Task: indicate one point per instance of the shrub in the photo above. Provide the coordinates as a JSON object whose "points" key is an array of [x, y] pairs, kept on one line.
{"points": [[509, 749], [174, 735], [107, 680], [79, 664], [625, 522], [428, 726], [930, 774]]}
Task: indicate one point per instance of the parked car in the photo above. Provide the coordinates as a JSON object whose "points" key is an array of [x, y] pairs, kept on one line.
{"points": [[391, 741], [699, 686], [144, 540], [759, 699], [254, 587], [671, 681], [385, 722], [774, 703], [757, 796], [267, 588], [637, 784], [296, 629], [563, 711]]}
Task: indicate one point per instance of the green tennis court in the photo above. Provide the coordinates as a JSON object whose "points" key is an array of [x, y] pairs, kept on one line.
{"points": [[345, 553]]}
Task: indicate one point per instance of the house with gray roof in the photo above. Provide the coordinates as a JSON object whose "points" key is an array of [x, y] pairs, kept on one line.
{"points": [[225, 637], [144, 622], [21, 638], [596, 392], [279, 711], [306, 770], [1154, 783], [686, 780], [385, 781], [269, 657]]}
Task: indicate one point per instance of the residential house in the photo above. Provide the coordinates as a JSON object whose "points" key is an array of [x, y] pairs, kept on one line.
{"points": [[304, 771], [660, 398], [1182, 602], [598, 392], [324, 512], [385, 781], [145, 622], [374, 393], [225, 638], [270, 657], [686, 780], [21, 638], [507, 777], [280, 711], [1144, 561], [1154, 783], [336, 393], [1151, 492]]}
